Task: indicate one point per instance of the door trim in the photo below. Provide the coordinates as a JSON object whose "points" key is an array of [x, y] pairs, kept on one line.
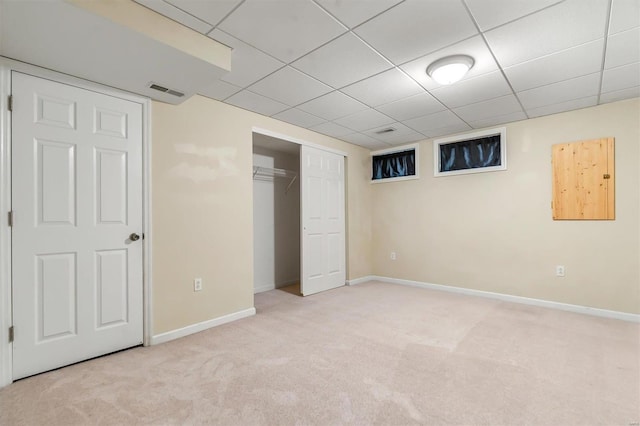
{"points": [[6, 308]]}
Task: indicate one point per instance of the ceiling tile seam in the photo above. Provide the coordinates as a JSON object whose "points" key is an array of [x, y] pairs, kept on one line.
{"points": [[253, 47], [174, 20], [331, 15], [518, 18], [558, 103], [361, 23], [187, 13], [486, 42], [604, 50], [226, 16], [324, 120], [555, 52]]}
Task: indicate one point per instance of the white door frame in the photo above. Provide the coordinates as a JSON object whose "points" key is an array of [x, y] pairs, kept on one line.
{"points": [[6, 67], [287, 138]]}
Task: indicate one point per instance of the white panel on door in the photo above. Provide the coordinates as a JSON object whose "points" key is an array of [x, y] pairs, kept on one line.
{"points": [[111, 287], [314, 196], [334, 166], [314, 250], [56, 295], [56, 183], [334, 261], [333, 206], [111, 187], [55, 112], [110, 123]]}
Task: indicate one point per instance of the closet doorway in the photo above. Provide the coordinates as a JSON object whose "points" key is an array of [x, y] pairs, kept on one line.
{"points": [[298, 216], [276, 214]]}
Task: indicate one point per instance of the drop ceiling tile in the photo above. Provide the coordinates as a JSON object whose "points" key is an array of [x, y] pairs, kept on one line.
{"points": [[580, 87], [482, 88], [283, 29], [491, 108], [401, 134], [208, 11], [563, 106], [619, 95], [219, 90], [332, 106], [411, 107], [364, 120], [501, 119], [331, 129], [364, 141], [448, 130], [564, 65], [565, 25], [299, 118], [383, 88], [417, 27], [474, 47], [623, 48], [434, 121], [256, 103], [342, 61], [177, 15], [625, 14], [353, 13], [290, 86], [491, 13], [248, 64], [620, 78]]}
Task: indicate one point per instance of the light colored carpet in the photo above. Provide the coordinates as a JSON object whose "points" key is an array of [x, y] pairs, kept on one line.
{"points": [[369, 354]]}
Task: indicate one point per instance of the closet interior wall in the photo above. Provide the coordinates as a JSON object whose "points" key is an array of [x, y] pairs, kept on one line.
{"points": [[276, 219]]}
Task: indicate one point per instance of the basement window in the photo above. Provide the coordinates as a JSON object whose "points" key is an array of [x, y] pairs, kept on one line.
{"points": [[400, 163], [483, 151]]}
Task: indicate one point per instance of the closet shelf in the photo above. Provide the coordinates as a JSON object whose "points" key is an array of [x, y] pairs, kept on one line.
{"points": [[268, 173]]}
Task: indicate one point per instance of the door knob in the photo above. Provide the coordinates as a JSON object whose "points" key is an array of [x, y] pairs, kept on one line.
{"points": [[134, 237]]}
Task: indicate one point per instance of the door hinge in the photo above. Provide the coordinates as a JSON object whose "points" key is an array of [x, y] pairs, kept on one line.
{"points": [[10, 103], [11, 334], [10, 218], [606, 176]]}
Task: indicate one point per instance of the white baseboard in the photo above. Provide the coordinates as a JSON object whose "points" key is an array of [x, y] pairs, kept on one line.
{"points": [[201, 326], [624, 316], [262, 288], [361, 280]]}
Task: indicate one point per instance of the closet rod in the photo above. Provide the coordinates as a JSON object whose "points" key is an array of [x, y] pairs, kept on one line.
{"points": [[269, 172]]}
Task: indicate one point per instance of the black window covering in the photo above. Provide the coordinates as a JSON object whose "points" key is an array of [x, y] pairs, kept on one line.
{"points": [[395, 164], [471, 154]]}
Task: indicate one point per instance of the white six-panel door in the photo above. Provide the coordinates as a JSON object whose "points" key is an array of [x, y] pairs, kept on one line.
{"points": [[323, 220], [77, 200]]}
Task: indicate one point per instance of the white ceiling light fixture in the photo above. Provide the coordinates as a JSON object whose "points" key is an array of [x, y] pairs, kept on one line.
{"points": [[450, 69]]}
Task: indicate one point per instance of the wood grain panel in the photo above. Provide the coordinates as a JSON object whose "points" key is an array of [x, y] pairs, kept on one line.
{"points": [[583, 180]]}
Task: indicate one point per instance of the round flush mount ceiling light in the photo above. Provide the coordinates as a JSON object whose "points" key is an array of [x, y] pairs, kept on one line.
{"points": [[450, 69]]}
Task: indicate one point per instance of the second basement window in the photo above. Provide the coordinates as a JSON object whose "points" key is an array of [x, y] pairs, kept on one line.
{"points": [[393, 164]]}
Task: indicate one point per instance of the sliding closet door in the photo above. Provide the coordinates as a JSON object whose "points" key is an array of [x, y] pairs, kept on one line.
{"points": [[323, 220]]}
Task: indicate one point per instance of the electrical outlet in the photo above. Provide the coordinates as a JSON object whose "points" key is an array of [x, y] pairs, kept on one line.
{"points": [[197, 284], [559, 270], [393, 255]]}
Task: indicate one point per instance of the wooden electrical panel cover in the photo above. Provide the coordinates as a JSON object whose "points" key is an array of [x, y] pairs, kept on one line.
{"points": [[583, 180]]}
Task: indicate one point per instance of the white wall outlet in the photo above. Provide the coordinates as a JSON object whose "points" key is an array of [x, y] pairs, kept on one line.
{"points": [[392, 256], [559, 270], [197, 284]]}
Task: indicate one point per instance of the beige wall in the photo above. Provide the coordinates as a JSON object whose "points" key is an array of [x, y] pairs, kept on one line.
{"points": [[494, 232], [202, 208]]}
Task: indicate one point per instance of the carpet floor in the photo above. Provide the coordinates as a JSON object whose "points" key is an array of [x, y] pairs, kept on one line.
{"points": [[369, 354]]}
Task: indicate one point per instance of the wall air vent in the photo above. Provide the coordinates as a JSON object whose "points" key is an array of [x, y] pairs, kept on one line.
{"points": [[165, 90], [387, 130]]}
